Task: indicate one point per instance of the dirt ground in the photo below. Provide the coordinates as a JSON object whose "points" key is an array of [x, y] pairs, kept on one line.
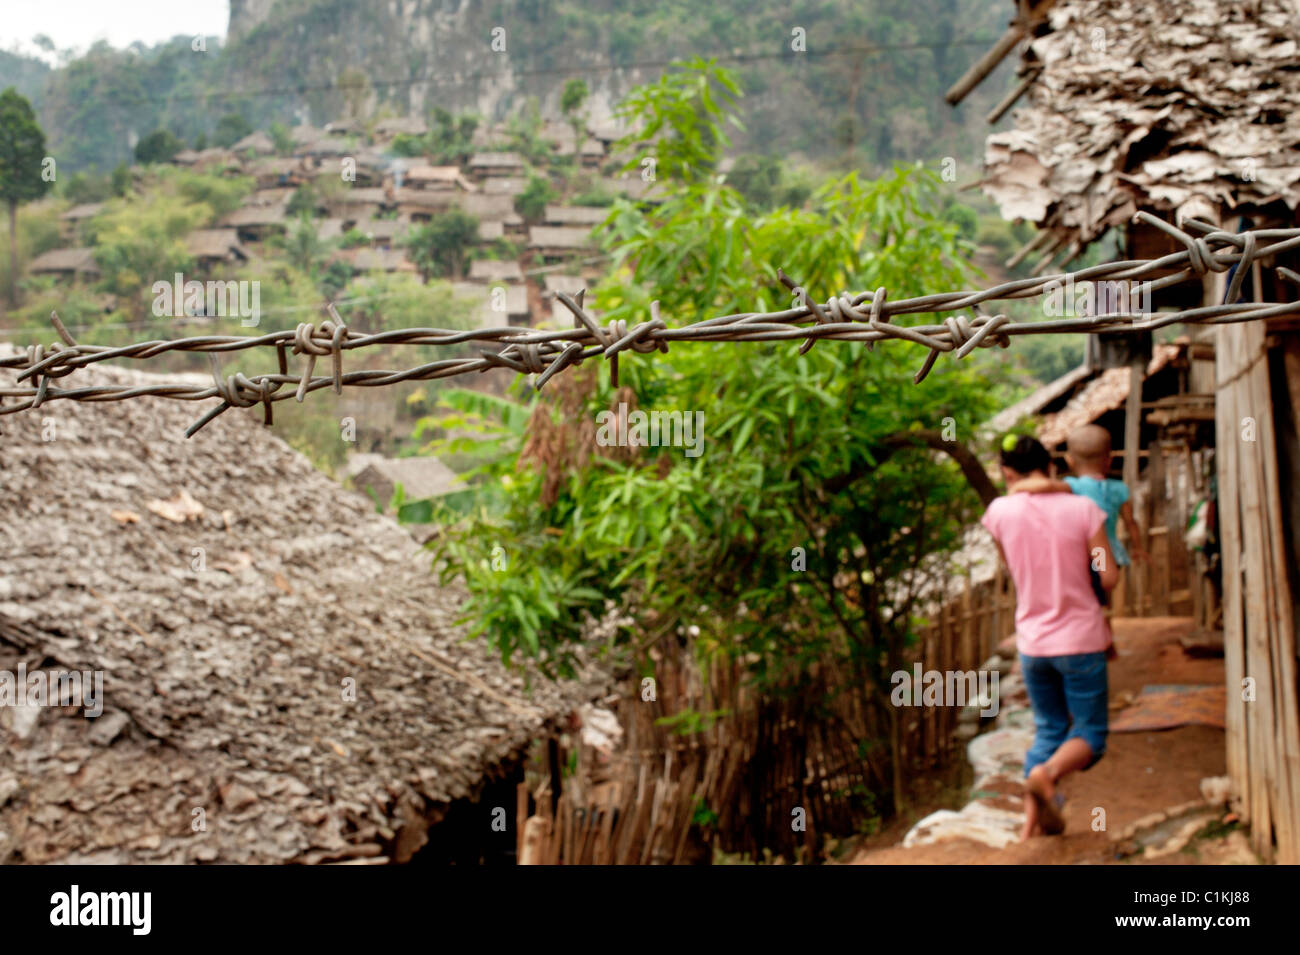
{"points": [[1141, 773]]}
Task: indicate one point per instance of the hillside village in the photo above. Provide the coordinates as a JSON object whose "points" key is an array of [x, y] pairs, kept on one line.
{"points": [[364, 200]]}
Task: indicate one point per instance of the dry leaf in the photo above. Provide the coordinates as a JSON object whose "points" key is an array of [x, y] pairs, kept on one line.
{"points": [[240, 560], [179, 509], [125, 517]]}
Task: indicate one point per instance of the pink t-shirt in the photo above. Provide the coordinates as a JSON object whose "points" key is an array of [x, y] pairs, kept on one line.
{"points": [[1045, 540]]}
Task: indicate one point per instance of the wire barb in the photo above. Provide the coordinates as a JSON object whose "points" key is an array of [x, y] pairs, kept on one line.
{"points": [[867, 317]]}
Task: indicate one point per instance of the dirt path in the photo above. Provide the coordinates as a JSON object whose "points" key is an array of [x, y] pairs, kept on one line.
{"points": [[1141, 773]]}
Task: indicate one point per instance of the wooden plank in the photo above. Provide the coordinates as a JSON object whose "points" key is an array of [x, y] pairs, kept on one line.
{"points": [[1283, 735], [1227, 439], [985, 65], [1137, 372], [536, 841], [1159, 573], [521, 817], [1289, 738]]}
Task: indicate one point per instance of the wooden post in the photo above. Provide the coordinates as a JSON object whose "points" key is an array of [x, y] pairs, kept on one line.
{"points": [[536, 833], [1158, 576], [1132, 448]]}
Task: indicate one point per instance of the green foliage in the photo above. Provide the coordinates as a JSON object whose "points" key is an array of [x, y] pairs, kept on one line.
{"points": [[304, 201], [301, 245], [678, 120], [571, 101], [38, 231], [1048, 357], [87, 187], [354, 238], [158, 147], [594, 197], [220, 194], [531, 203], [574, 95], [22, 150], [708, 540], [231, 128], [281, 138], [121, 180], [140, 239], [448, 142], [408, 145], [524, 129], [766, 183], [440, 246], [22, 155], [964, 218]]}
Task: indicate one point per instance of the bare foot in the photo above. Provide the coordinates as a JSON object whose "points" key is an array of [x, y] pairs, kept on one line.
{"points": [[1039, 786], [1031, 817]]}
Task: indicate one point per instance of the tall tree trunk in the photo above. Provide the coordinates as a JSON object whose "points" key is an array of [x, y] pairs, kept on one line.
{"points": [[13, 253]]}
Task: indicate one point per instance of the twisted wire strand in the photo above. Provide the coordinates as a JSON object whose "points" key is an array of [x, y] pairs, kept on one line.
{"points": [[544, 353]]}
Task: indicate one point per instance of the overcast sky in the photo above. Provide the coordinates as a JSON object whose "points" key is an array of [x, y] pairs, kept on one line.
{"points": [[79, 23]]}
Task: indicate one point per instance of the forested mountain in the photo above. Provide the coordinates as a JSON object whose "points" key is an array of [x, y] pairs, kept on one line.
{"points": [[856, 81]]}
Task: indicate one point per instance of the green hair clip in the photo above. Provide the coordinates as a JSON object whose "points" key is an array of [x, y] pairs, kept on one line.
{"points": [[1009, 443]]}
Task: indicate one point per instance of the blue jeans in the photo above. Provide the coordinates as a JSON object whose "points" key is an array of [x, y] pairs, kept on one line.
{"points": [[1069, 695]]}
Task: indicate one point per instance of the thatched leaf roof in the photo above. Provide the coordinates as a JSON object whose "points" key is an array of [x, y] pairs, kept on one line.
{"points": [[225, 639], [1182, 108]]}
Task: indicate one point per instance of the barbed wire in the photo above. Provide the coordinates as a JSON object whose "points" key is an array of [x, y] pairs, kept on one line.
{"points": [[544, 353]]}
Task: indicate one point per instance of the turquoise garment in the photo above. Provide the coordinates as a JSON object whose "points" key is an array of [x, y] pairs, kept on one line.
{"points": [[1110, 495]]}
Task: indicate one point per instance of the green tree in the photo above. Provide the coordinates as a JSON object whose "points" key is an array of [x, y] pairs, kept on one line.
{"points": [[22, 158], [231, 128], [832, 452], [302, 246], [571, 102], [158, 147], [87, 187], [141, 240], [281, 137], [121, 180], [531, 203], [674, 121], [439, 247]]}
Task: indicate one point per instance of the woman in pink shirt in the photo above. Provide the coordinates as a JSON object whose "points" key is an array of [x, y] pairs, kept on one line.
{"points": [[1048, 542]]}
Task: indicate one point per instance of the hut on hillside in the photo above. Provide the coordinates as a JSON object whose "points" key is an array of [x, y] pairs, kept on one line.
{"points": [[66, 263], [496, 305], [558, 243], [256, 222], [75, 218], [495, 270], [505, 186], [276, 172], [1184, 109], [281, 679], [212, 248], [387, 129], [588, 216], [256, 142], [485, 165]]}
